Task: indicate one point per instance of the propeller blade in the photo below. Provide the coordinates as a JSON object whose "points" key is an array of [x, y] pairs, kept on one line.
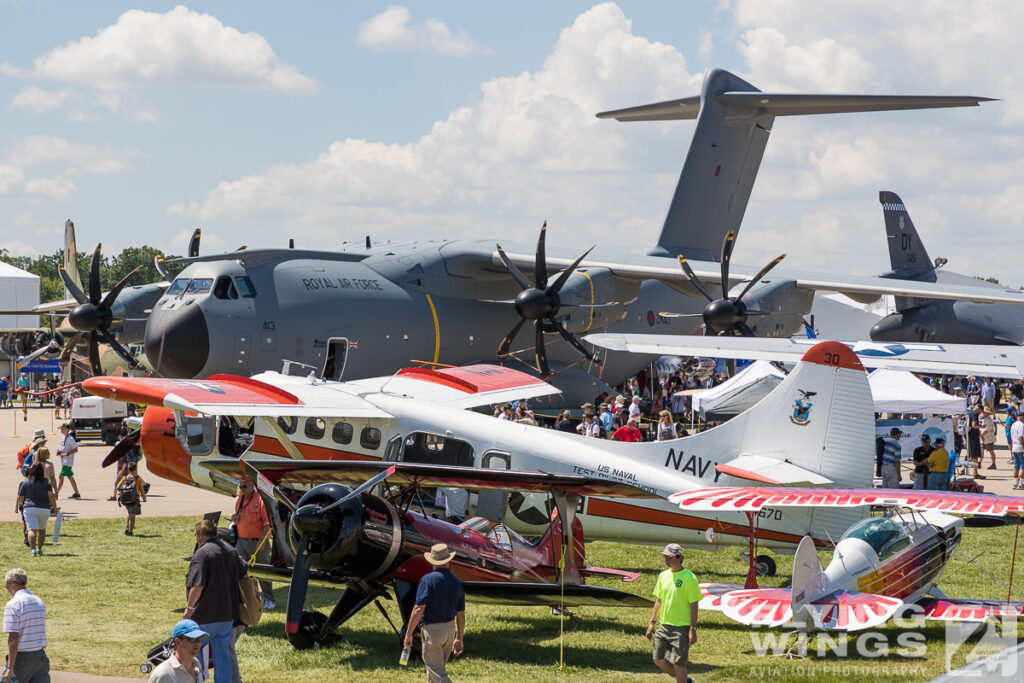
{"points": [[554, 289], [608, 304], [573, 341], [760, 274], [540, 270], [158, 263], [365, 486], [53, 331], [692, 277], [111, 296], [94, 275], [94, 355], [72, 287], [297, 588], [127, 442], [666, 314], [730, 242], [69, 347], [507, 341], [258, 478], [118, 349], [517, 274], [193, 243], [542, 357]]}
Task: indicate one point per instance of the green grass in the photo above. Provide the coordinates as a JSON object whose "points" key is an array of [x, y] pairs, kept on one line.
{"points": [[111, 598]]}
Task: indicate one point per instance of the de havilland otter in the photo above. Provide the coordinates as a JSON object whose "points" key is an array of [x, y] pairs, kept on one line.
{"points": [[364, 310]]}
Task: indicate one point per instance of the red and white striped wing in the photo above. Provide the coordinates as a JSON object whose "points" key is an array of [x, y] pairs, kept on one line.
{"points": [[711, 594], [947, 609], [753, 498], [845, 611], [758, 606]]}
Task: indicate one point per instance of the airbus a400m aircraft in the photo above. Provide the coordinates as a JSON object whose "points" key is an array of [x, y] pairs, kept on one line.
{"points": [[364, 310], [195, 428]]}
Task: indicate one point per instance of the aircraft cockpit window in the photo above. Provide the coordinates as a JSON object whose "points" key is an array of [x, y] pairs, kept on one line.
{"points": [[200, 285], [369, 438], [342, 433], [885, 536], [178, 286], [315, 427], [497, 533], [225, 289], [245, 287], [288, 423]]}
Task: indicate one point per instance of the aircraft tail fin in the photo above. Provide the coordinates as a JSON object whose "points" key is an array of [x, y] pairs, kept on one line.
{"points": [[734, 120], [549, 545], [809, 582], [907, 256], [71, 257]]}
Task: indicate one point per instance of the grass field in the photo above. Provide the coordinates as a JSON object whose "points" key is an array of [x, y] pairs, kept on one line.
{"points": [[110, 598]]}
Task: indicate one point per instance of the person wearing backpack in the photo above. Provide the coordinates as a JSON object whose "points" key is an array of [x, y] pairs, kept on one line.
{"points": [[131, 494]]}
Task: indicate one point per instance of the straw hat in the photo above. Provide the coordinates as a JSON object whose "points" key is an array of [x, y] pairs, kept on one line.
{"points": [[439, 554], [40, 437]]}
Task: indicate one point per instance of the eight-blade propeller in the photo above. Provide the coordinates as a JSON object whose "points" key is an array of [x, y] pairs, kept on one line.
{"points": [[726, 315], [93, 314], [540, 303]]}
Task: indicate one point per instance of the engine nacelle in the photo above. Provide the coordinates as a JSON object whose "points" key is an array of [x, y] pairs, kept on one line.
{"points": [[588, 286]]}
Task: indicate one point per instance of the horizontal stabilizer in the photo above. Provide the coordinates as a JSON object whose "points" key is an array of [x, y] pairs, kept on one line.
{"points": [[606, 573], [840, 610], [711, 594], [772, 471], [550, 594]]}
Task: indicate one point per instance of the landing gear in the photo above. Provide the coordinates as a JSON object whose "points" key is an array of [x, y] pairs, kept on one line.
{"points": [[765, 565], [310, 625]]}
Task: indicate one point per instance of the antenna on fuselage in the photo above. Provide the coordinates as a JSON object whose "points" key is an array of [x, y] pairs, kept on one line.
{"points": [[367, 241], [291, 243]]}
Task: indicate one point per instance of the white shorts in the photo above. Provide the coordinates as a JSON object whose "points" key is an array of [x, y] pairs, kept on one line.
{"points": [[36, 518]]}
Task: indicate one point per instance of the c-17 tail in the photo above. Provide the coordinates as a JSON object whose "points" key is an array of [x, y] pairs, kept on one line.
{"points": [[734, 120]]}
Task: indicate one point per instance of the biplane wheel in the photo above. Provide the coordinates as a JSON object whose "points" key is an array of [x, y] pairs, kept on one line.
{"points": [[310, 624], [765, 566], [145, 668]]}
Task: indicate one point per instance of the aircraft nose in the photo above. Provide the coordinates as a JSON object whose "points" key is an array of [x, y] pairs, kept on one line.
{"points": [[178, 342], [889, 328]]}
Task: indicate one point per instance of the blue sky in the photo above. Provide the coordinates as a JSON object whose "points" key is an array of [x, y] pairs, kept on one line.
{"points": [[261, 121]]}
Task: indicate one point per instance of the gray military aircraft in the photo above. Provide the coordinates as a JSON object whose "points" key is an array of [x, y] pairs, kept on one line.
{"points": [[929, 320], [366, 309]]}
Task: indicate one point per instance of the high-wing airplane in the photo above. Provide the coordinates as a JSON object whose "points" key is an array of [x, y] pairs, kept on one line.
{"points": [[420, 415], [923, 357], [365, 309], [344, 537], [881, 567], [930, 320]]}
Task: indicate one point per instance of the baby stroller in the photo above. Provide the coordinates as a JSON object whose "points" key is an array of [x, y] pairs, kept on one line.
{"points": [[157, 655], [959, 478]]}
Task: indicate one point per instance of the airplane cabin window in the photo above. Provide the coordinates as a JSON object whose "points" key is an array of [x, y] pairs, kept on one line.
{"points": [[225, 289], [201, 285], [315, 427], [178, 286], [245, 287], [369, 438], [342, 433], [288, 423]]}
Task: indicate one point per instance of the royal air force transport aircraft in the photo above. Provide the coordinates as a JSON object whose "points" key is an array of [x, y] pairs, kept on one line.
{"points": [[815, 429], [364, 310]]}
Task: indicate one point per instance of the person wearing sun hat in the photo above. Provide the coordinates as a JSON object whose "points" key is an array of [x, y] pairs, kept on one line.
{"points": [[441, 606], [182, 666], [673, 626]]}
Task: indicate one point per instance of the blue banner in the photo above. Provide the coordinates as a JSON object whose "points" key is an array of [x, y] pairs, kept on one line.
{"points": [[37, 366]]}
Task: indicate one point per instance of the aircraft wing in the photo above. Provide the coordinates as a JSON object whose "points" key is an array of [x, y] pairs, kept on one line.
{"points": [[953, 359], [467, 386], [354, 473], [227, 395], [549, 594], [953, 609], [753, 498]]}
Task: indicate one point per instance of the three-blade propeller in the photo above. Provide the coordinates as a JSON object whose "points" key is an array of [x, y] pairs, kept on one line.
{"points": [[93, 314], [726, 315], [539, 302]]}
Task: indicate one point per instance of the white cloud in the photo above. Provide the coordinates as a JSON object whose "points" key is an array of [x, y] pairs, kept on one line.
{"points": [[531, 148], [38, 100], [43, 166], [391, 28], [705, 44]]}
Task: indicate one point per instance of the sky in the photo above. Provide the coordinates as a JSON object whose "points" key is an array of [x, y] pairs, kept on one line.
{"points": [[325, 122]]}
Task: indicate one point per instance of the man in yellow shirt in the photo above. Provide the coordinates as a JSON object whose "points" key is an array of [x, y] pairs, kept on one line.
{"points": [[938, 466], [676, 595]]}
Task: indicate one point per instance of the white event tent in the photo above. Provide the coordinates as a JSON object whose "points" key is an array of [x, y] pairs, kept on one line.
{"points": [[898, 391], [19, 290], [749, 375]]}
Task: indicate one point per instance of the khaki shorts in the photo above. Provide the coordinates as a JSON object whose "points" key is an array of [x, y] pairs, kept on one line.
{"points": [[672, 643]]}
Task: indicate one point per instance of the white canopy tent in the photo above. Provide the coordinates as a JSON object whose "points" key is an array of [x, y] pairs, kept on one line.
{"points": [[749, 375], [18, 290], [898, 391]]}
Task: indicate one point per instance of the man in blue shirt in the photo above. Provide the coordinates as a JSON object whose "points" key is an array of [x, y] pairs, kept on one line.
{"points": [[891, 460], [441, 606]]}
